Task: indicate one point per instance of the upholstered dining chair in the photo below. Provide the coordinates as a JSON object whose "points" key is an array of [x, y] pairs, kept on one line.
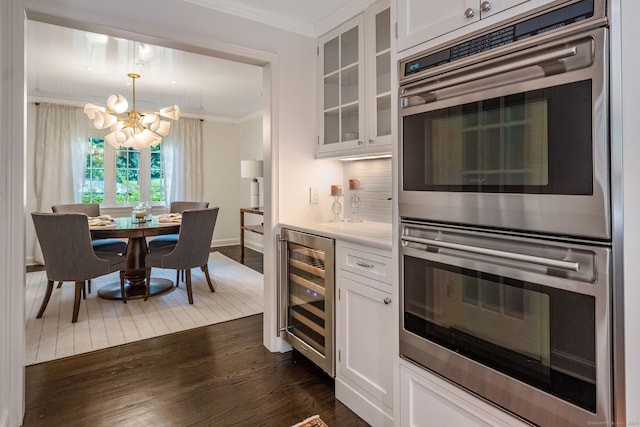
{"points": [[190, 251], [69, 257], [93, 209], [172, 239], [115, 246]]}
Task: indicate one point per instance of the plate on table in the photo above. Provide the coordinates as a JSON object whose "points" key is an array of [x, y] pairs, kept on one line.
{"points": [[100, 221], [170, 218]]}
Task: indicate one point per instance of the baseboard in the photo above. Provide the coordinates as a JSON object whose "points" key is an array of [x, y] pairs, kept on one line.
{"points": [[225, 242], [364, 407], [255, 246]]}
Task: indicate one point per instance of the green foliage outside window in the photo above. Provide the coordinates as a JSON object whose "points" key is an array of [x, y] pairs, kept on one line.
{"points": [[127, 174], [158, 193], [93, 186]]}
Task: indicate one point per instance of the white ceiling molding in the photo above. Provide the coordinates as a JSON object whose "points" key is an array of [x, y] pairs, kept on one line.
{"points": [[347, 11], [256, 14], [312, 19]]}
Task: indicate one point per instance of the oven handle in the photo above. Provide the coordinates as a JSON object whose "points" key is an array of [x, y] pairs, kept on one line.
{"points": [[546, 262], [410, 95]]}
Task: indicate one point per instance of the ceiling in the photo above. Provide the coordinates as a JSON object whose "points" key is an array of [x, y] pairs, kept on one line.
{"points": [[74, 67]]}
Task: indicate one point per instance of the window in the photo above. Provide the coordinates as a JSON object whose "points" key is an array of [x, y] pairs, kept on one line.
{"points": [[123, 176]]}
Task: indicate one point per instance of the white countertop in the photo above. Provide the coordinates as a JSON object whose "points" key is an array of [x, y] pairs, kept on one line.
{"points": [[377, 234]]}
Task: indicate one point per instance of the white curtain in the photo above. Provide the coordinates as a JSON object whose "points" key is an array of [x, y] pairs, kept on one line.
{"points": [[182, 153], [60, 156]]}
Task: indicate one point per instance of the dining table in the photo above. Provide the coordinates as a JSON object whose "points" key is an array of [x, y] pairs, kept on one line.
{"points": [[135, 269]]}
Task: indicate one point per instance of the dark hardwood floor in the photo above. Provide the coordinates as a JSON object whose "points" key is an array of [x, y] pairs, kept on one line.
{"points": [[219, 375]]}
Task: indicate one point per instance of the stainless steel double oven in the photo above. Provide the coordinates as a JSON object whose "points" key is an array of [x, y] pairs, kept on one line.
{"points": [[505, 207]]}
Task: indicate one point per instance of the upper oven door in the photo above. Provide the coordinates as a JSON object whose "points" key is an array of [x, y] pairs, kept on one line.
{"points": [[519, 141]]}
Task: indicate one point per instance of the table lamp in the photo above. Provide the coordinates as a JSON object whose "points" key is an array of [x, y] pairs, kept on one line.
{"points": [[252, 169]]}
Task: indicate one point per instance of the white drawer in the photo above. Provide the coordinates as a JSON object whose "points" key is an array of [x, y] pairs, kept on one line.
{"points": [[371, 263]]}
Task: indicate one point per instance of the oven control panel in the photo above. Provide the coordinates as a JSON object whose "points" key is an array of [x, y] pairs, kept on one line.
{"points": [[540, 24]]}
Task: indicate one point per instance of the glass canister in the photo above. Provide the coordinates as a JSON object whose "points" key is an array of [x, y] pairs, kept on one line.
{"points": [[141, 213], [138, 215], [147, 209]]}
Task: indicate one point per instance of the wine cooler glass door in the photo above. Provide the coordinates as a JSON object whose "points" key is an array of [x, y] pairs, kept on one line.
{"points": [[307, 283]]}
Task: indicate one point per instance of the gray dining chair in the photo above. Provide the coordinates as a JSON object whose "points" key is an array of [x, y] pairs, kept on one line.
{"points": [[115, 246], [172, 239], [191, 250], [93, 209], [69, 257]]}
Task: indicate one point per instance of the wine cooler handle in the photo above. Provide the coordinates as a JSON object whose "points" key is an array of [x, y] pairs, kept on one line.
{"points": [[281, 318]]}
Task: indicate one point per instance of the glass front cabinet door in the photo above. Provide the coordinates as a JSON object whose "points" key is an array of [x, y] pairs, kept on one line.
{"points": [[355, 87]]}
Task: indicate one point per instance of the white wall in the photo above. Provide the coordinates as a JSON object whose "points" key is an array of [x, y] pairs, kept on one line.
{"points": [[630, 64], [250, 131], [225, 145], [12, 276]]}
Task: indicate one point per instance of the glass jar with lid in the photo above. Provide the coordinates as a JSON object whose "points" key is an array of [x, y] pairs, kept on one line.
{"points": [[141, 213]]}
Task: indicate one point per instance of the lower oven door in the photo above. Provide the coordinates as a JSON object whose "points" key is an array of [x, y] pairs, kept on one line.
{"points": [[521, 322]]}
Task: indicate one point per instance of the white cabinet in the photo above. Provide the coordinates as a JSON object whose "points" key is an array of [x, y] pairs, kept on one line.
{"points": [[365, 332], [427, 400], [355, 89], [420, 21]]}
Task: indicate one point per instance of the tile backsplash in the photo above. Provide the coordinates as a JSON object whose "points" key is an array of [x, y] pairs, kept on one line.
{"points": [[375, 195]]}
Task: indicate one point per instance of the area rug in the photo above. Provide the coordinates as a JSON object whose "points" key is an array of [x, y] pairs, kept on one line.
{"points": [[106, 323], [314, 421]]}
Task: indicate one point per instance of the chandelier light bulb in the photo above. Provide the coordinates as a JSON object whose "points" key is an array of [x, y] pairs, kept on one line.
{"points": [[90, 110], [102, 120], [172, 112], [117, 104]]}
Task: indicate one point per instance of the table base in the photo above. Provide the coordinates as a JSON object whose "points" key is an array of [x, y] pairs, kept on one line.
{"points": [[157, 287]]}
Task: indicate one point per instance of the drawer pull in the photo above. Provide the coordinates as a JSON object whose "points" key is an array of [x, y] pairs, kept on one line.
{"points": [[387, 300], [363, 264]]}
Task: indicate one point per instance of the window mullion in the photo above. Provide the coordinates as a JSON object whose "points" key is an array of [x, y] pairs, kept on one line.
{"points": [[109, 175], [145, 174]]}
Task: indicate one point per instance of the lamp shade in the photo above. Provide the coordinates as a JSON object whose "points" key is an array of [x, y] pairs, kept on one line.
{"points": [[251, 168]]}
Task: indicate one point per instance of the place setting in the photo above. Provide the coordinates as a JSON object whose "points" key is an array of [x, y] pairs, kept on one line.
{"points": [[101, 221]]}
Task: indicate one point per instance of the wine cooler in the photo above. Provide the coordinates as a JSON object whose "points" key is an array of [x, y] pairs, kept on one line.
{"points": [[306, 288]]}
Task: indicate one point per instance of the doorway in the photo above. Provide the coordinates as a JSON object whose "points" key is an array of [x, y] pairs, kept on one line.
{"points": [[266, 62]]}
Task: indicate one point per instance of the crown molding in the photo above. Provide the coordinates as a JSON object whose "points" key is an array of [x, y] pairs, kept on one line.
{"points": [[349, 9]]}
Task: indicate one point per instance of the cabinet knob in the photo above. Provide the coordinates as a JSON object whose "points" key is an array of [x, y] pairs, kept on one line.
{"points": [[387, 300], [361, 143], [371, 142], [485, 6], [469, 13]]}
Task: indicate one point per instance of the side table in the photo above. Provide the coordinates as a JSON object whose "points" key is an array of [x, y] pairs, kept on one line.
{"points": [[259, 229]]}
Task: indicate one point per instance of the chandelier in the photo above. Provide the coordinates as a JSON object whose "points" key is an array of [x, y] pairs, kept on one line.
{"points": [[133, 129]]}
